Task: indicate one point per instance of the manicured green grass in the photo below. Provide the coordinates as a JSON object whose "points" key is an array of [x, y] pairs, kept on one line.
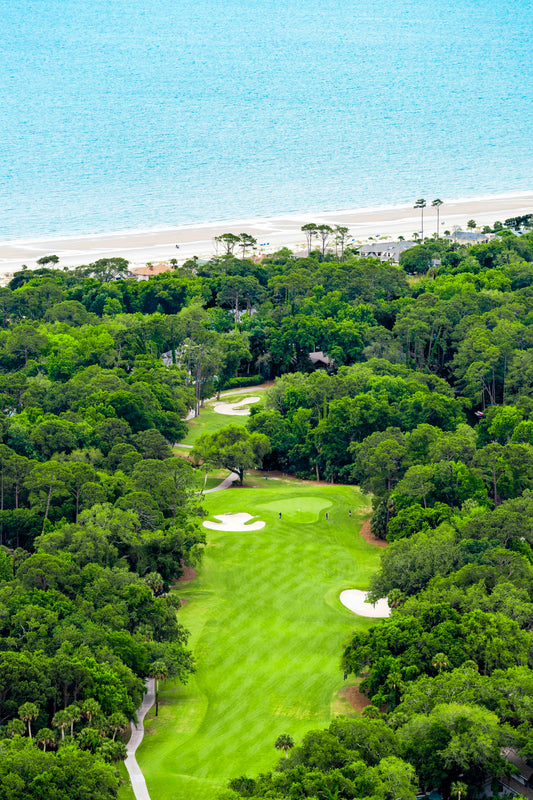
{"points": [[267, 632], [125, 790], [209, 421]]}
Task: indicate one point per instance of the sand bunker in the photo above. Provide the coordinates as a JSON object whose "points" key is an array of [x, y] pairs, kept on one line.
{"points": [[354, 599], [234, 523], [235, 409]]}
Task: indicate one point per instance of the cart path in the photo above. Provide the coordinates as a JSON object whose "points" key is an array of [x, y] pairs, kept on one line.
{"points": [[226, 483], [138, 783]]}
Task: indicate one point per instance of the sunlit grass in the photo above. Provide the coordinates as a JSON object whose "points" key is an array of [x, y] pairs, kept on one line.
{"points": [[209, 421], [267, 632]]}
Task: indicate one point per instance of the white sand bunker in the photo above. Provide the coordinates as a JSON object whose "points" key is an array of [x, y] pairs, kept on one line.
{"points": [[355, 600], [234, 523], [235, 409]]}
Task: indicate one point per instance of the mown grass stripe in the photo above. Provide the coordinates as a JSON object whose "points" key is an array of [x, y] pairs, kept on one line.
{"points": [[267, 631]]}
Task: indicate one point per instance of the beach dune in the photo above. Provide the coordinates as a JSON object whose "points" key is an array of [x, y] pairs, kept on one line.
{"points": [[140, 247]]}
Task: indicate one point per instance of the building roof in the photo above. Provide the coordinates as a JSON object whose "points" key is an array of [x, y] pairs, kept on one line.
{"points": [[382, 247], [153, 269], [318, 357], [520, 763], [386, 250], [470, 236]]}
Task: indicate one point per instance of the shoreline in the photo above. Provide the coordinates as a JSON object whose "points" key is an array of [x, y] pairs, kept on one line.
{"points": [[159, 244]]}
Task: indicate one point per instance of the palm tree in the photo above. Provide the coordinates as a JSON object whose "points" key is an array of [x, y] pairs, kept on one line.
{"points": [[421, 204], [90, 708], [371, 712], [15, 727], [112, 751], [396, 598], [74, 715], [440, 661], [27, 712], [437, 204], [117, 723], [284, 742], [155, 582], [45, 736], [159, 671], [61, 720], [458, 789]]}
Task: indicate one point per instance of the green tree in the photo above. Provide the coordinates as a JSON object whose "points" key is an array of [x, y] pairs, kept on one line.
{"points": [[229, 242], [440, 661], [78, 475], [399, 778], [311, 231], [458, 741], [232, 448], [342, 234], [247, 242], [90, 708], [458, 789], [15, 727], [437, 204], [74, 715], [45, 736], [25, 342], [421, 204], [27, 712], [409, 564], [50, 478], [284, 742], [117, 723], [32, 774], [324, 232], [152, 444], [44, 260], [61, 720], [159, 672]]}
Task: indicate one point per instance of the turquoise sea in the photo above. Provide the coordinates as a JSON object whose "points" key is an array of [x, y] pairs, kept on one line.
{"points": [[118, 114]]}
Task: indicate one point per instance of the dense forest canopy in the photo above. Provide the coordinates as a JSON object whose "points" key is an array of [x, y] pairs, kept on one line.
{"points": [[425, 401]]}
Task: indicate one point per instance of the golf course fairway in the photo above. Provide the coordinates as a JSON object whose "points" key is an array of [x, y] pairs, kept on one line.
{"points": [[267, 630]]}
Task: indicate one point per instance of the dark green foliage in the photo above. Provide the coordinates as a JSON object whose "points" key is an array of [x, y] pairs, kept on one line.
{"points": [[27, 773], [97, 517], [246, 380], [353, 758]]}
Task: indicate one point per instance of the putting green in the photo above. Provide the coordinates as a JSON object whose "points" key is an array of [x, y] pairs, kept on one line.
{"points": [[267, 630], [304, 508]]}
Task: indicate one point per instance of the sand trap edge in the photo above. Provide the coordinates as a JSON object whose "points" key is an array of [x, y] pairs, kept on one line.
{"points": [[354, 600]]}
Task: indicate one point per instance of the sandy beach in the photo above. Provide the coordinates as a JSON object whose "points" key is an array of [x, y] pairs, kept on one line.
{"points": [[140, 247]]}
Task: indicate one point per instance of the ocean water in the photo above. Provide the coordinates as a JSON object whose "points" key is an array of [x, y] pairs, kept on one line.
{"points": [[118, 114]]}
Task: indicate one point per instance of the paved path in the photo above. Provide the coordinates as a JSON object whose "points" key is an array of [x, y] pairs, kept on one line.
{"points": [[226, 483], [138, 783]]}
